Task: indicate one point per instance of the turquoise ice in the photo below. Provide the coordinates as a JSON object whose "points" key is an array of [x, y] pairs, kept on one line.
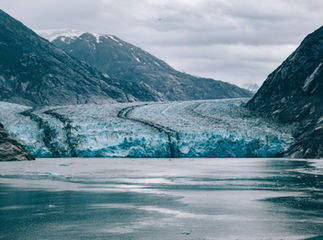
{"points": [[208, 128]]}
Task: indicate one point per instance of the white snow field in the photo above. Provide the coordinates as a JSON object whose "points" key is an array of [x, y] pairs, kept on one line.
{"points": [[206, 128]]}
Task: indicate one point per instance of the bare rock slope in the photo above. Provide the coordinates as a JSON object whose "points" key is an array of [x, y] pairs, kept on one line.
{"points": [[293, 94], [10, 149]]}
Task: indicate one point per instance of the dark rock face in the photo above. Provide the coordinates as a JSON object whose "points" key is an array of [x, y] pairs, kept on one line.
{"points": [[10, 149], [293, 93], [145, 76], [35, 72]]}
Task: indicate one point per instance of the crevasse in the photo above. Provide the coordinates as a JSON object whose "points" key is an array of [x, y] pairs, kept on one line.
{"points": [[208, 128]]}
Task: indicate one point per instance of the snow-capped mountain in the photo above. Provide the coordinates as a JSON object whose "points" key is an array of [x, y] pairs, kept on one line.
{"points": [[252, 87], [132, 65], [52, 34], [35, 72], [293, 93]]}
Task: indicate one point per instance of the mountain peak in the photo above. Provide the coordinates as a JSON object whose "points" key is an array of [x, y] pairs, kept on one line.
{"points": [[67, 33], [132, 65], [91, 68], [99, 37], [35, 72], [252, 87], [51, 34]]}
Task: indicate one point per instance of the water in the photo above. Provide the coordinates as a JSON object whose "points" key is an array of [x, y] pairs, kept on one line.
{"points": [[188, 199]]}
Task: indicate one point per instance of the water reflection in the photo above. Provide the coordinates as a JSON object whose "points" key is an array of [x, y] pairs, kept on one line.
{"points": [[162, 199]]}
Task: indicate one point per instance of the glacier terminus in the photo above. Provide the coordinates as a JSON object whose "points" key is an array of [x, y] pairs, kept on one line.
{"points": [[202, 128]]}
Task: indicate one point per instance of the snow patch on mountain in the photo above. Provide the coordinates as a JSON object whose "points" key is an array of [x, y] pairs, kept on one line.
{"points": [[310, 78], [136, 58], [252, 87], [51, 34], [113, 38], [67, 35], [97, 36]]}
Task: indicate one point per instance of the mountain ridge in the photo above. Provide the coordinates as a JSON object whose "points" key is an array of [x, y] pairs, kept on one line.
{"points": [[130, 64], [35, 72], [293, 93]]}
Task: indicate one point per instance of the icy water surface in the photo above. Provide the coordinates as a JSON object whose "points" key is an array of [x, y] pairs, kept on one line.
{"points": [[193, 199]]}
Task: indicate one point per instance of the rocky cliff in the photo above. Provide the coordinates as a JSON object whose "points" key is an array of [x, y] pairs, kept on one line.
{"points": [[293, 94], [10, 149]]}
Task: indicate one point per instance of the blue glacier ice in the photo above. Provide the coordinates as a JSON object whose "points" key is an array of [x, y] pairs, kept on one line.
{"points": [[207, 128]]}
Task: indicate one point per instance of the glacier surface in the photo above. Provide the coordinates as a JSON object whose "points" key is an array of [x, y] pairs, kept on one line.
{"points": [[206, 128]]}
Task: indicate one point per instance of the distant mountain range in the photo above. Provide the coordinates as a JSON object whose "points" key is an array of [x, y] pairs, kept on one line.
{"points": [[252, 87], [51, 34], [293, 94], [94, 68], [35, 72], [132, 65]]}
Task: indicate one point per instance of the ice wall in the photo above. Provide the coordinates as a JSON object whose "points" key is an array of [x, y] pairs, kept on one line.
{"points": [[212, 128]]}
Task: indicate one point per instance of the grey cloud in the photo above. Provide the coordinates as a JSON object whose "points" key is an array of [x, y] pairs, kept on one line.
{"points": [[232, 40], [235, 63]]}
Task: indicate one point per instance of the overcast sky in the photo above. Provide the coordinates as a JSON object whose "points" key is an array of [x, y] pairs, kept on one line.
{"points": [[238, 41]]}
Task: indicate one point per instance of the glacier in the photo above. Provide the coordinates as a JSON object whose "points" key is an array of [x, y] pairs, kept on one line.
{"points": [[204, 128]]}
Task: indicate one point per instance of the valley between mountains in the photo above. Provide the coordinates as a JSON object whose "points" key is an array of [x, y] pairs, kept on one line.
{"points": [[82, 94]]}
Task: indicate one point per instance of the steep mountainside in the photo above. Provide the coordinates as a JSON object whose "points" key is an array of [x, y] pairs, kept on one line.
{"points": [[10, 149], [131, 65], [293, 93], [35, 72]]}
